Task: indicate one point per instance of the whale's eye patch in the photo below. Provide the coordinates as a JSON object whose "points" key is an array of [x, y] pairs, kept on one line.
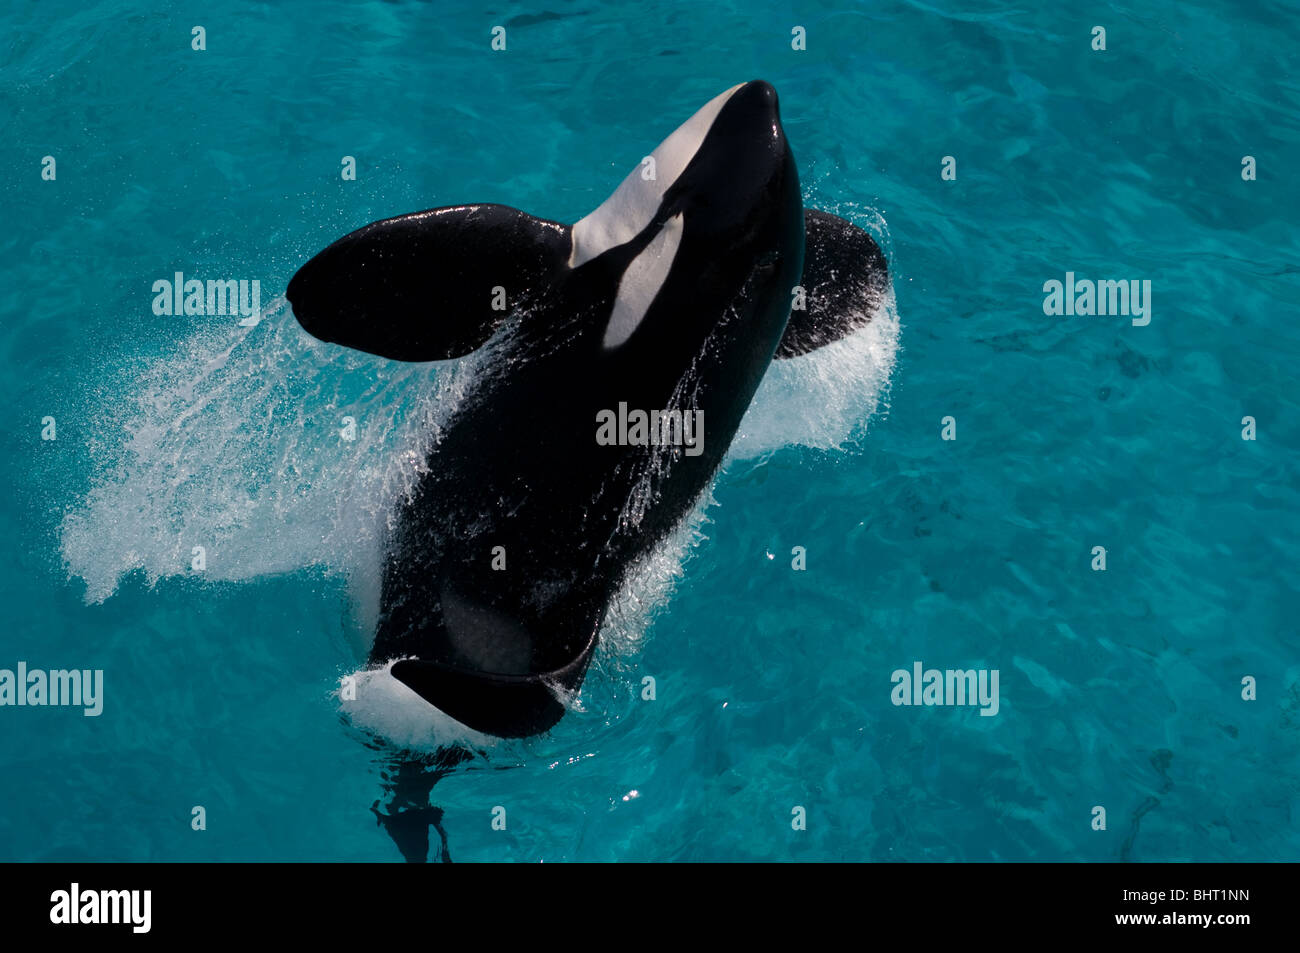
{"points": [[633, 205], [641, 281]]}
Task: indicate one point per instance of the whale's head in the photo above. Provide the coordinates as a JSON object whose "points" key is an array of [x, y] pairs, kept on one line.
{"points": [[707, 230]]}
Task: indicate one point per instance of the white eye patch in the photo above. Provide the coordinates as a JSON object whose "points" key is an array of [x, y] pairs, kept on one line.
{"points": [[632, 206], [641, 281]]}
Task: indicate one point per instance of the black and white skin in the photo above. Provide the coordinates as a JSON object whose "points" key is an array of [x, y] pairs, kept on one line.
{"points": [[675, 296]]}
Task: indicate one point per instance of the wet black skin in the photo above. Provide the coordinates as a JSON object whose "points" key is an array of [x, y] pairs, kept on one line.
{"points": [[518, 467]]}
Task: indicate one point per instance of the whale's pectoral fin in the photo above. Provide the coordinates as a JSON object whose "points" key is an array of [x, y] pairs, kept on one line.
{"points": [[845, 278], [428, 286]]}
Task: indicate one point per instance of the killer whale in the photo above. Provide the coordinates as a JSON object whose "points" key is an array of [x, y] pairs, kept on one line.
{"points": [[675, 294]]}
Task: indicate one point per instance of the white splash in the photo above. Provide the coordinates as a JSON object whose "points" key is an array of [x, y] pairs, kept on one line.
{"points": [[239, 445], [824, 399], [377, 703]]}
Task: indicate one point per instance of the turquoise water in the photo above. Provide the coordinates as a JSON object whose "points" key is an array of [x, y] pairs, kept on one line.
{"points": [[1120, 689]]}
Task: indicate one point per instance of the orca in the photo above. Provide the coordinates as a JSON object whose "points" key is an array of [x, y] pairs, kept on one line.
{"points": [[674, 295]]}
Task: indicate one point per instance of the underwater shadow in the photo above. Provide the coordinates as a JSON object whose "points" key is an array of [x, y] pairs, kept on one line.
{"points": [[405, 812]]}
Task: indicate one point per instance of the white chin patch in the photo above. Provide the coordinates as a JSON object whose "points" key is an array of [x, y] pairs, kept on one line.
{"points": [[632, 206], [641, 281]]}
